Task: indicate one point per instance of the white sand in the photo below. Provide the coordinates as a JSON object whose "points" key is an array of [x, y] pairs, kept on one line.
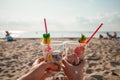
{"points": [[102, 58]]}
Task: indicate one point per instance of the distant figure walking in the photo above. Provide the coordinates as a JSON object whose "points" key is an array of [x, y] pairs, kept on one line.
{"points": [[112, 36], [8, 37]]}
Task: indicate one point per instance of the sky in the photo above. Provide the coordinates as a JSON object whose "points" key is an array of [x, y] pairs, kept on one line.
{"points": [[61, 15]]}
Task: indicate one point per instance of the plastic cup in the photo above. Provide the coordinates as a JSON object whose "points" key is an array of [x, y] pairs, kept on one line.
{"points": [[74, 52], [53, 52]]}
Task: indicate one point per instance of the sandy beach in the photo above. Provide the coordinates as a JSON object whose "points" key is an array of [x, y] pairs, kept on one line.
{"points": [[102, 58]]}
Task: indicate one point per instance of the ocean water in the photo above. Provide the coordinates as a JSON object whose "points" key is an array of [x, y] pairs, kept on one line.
{"points": [[54, 34]]}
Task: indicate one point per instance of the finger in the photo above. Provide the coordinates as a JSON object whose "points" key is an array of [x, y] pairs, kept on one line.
{"points": [[73, 58], [51, 66], [41, 59], [66, 64], [66, 70], [76, 59], [37, 61], [69, 58]]}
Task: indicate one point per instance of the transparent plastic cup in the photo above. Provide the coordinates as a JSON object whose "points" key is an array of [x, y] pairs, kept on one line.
{"points": [[53, 52], [74, 52]]}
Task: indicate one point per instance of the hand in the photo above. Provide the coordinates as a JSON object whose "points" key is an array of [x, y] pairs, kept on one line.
{"points": [[73, 72], [75, 55], [40, 70]]}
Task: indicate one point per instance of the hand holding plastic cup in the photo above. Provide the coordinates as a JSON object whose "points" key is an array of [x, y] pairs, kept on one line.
{"points": [[53, 52], [74, 52]]}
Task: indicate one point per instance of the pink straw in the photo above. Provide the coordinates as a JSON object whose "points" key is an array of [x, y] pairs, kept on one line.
{"points": [[45, 25], [94, 33]]}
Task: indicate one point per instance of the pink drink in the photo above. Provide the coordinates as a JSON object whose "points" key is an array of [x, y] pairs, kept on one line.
{"points": [[74, 52]]}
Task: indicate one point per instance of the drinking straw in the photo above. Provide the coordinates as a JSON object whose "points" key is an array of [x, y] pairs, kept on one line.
{"points": [[45, 25], [46, 30], [94, 33]]}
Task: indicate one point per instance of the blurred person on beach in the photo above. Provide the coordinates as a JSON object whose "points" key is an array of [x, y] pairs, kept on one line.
{"points": [[9, 37], [102, 37], [112, 36]]}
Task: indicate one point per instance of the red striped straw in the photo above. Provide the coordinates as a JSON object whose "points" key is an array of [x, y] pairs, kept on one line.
{"points": [[94, 33], [45, 26]]}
